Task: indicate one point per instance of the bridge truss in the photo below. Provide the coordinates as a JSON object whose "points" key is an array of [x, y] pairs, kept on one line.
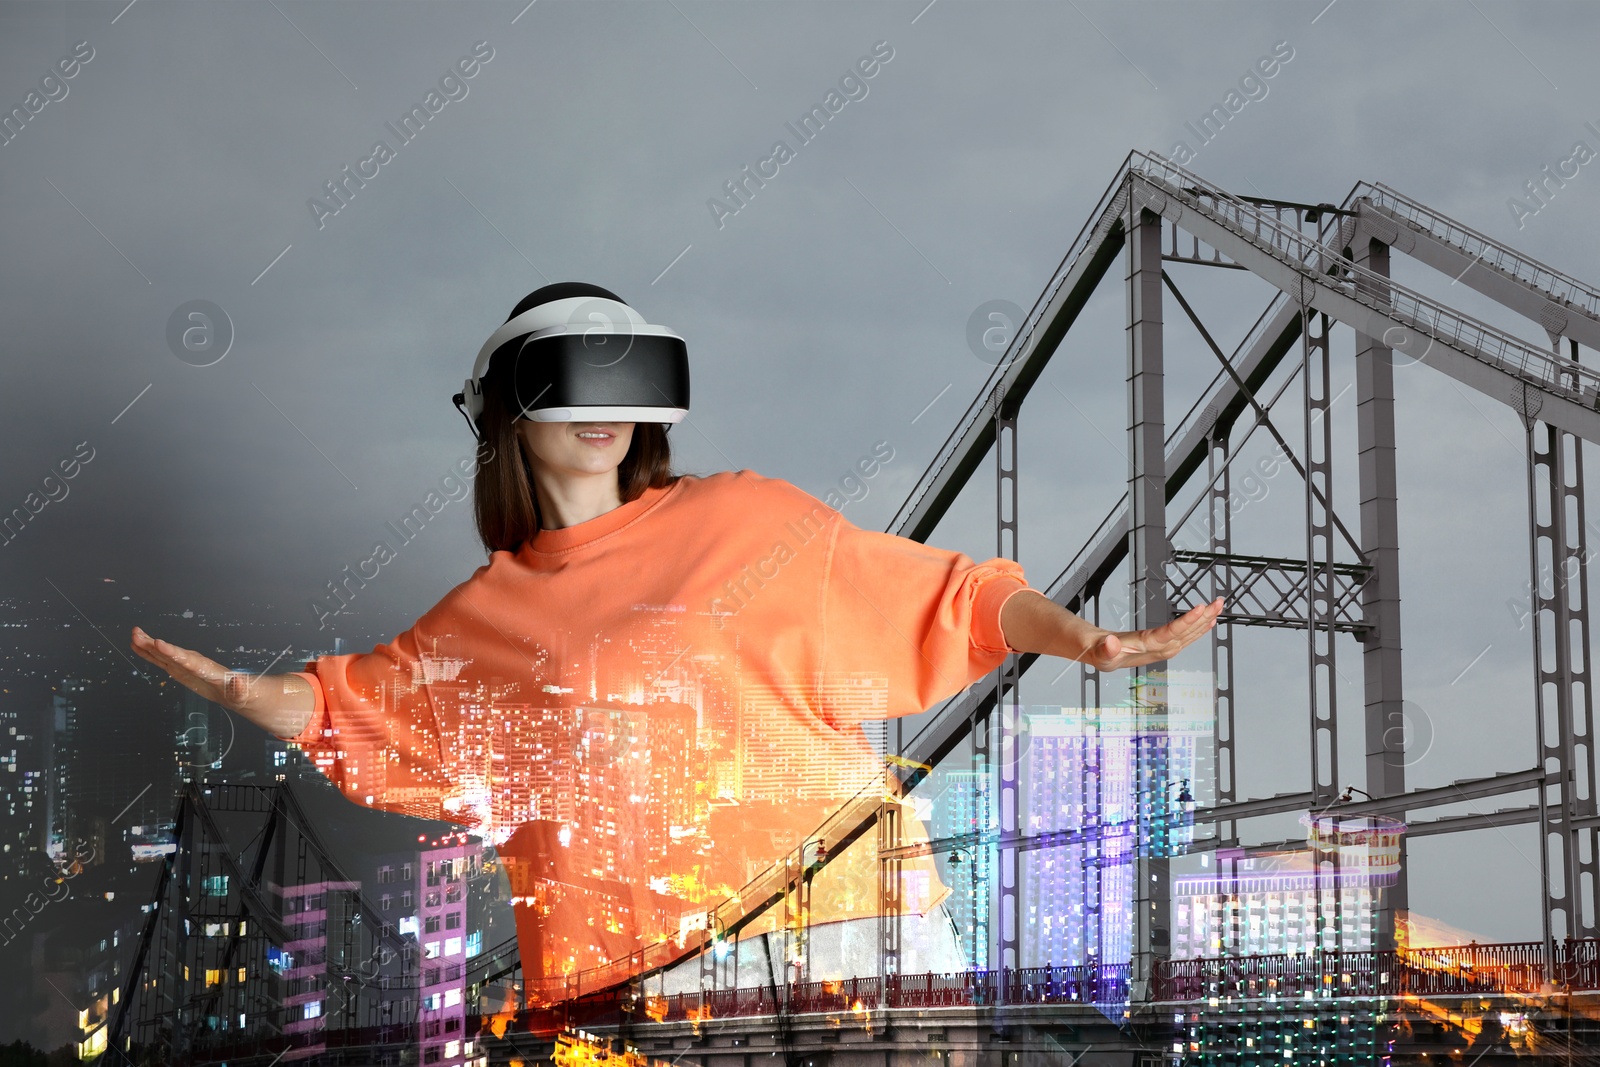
{"points": [[1330, 266]]}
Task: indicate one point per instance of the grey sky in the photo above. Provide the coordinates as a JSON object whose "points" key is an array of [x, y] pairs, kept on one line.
{"points": [[821, 318]]}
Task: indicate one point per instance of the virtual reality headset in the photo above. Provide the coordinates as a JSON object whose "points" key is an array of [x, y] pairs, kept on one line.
{"points": [[574, 352]]}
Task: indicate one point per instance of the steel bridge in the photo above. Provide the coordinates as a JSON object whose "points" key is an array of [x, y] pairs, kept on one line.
{"points": [[1327, 265]]}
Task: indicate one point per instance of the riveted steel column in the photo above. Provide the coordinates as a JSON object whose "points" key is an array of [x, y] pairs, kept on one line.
{"points": [[980, 803], [1562, 701], [890, 902], [1380, 594], [1220, 522], [1093, 844], [1321, 588], [1148, 553], [1007, 699], [1321, 610]]}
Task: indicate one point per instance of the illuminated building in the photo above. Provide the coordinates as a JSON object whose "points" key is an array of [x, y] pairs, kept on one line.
{"points": [[320, 951], [24, 792], [1273, 903], [962, 807], [62, 766], [779, 748], [424, 894], [1117, 779], [532, 767]]}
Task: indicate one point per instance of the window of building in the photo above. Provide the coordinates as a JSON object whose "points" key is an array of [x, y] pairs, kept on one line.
{"points": [[386, 902], [406, 899], [405, 872], [431, 900], [430, 924], [432, 1054], [452, 921], [430, 950], [313, 1009], [452, 946], [385, 875]]}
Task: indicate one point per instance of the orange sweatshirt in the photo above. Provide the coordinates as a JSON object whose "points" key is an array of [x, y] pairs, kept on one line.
{"points": [[646, 709]]}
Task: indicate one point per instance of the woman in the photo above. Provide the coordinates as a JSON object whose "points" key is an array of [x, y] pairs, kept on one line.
{"points": [[655, 688]]}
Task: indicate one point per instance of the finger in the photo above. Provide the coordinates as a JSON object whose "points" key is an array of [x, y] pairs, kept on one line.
{"points": [[152, 652], [1197, 619], [191, 669]]}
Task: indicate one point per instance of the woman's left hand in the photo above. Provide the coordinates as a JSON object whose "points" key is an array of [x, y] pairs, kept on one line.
{"points": [[1137, 647]]}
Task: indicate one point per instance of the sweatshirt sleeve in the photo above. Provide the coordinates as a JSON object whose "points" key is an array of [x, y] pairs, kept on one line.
{"points": [[926, 618], [375, 730]]}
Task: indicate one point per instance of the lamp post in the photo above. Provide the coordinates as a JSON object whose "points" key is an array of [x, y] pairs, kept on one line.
{"points": [[975, 961]]}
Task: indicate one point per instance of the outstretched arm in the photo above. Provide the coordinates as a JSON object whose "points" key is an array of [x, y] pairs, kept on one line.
{"points": [[1038, 624], [281, 704]]}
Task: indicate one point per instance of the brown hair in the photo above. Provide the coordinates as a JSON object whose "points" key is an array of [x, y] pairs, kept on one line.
{"points": [[504, 503]]}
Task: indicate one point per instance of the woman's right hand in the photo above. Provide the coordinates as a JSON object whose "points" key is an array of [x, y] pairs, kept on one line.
{"points": [[280, 704]]}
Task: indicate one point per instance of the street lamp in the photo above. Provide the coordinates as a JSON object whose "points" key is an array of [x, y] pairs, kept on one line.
{"points": [[973, 904]]}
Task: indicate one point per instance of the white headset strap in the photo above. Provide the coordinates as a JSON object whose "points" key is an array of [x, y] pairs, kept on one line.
{"points": [[551, 315]]}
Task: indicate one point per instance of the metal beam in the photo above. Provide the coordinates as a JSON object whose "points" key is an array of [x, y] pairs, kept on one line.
{"points": [[1454, 793], [1384, 720], [1008, 696], [1087, 261], [1267, 591], [1563, 305], [1474, 353], [1563, 704], [1148, 554]]}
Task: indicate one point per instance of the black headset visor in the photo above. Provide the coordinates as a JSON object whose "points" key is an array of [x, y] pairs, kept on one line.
{"points": [[591, 369]]}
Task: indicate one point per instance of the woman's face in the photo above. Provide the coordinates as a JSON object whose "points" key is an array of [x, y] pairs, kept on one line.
{"points": [[574, 448]]}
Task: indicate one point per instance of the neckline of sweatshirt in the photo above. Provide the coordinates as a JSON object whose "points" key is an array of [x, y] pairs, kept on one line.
{"points": [[579, 535]]}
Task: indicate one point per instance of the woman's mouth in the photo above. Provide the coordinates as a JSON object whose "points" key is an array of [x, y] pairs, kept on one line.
{"points": [[598, 438]]}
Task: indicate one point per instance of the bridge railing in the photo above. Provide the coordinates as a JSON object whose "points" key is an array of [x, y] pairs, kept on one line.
{"points": [[1486, 970], [1557, 285], [1517, 967], [1314, 261], [1033, 985]]}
